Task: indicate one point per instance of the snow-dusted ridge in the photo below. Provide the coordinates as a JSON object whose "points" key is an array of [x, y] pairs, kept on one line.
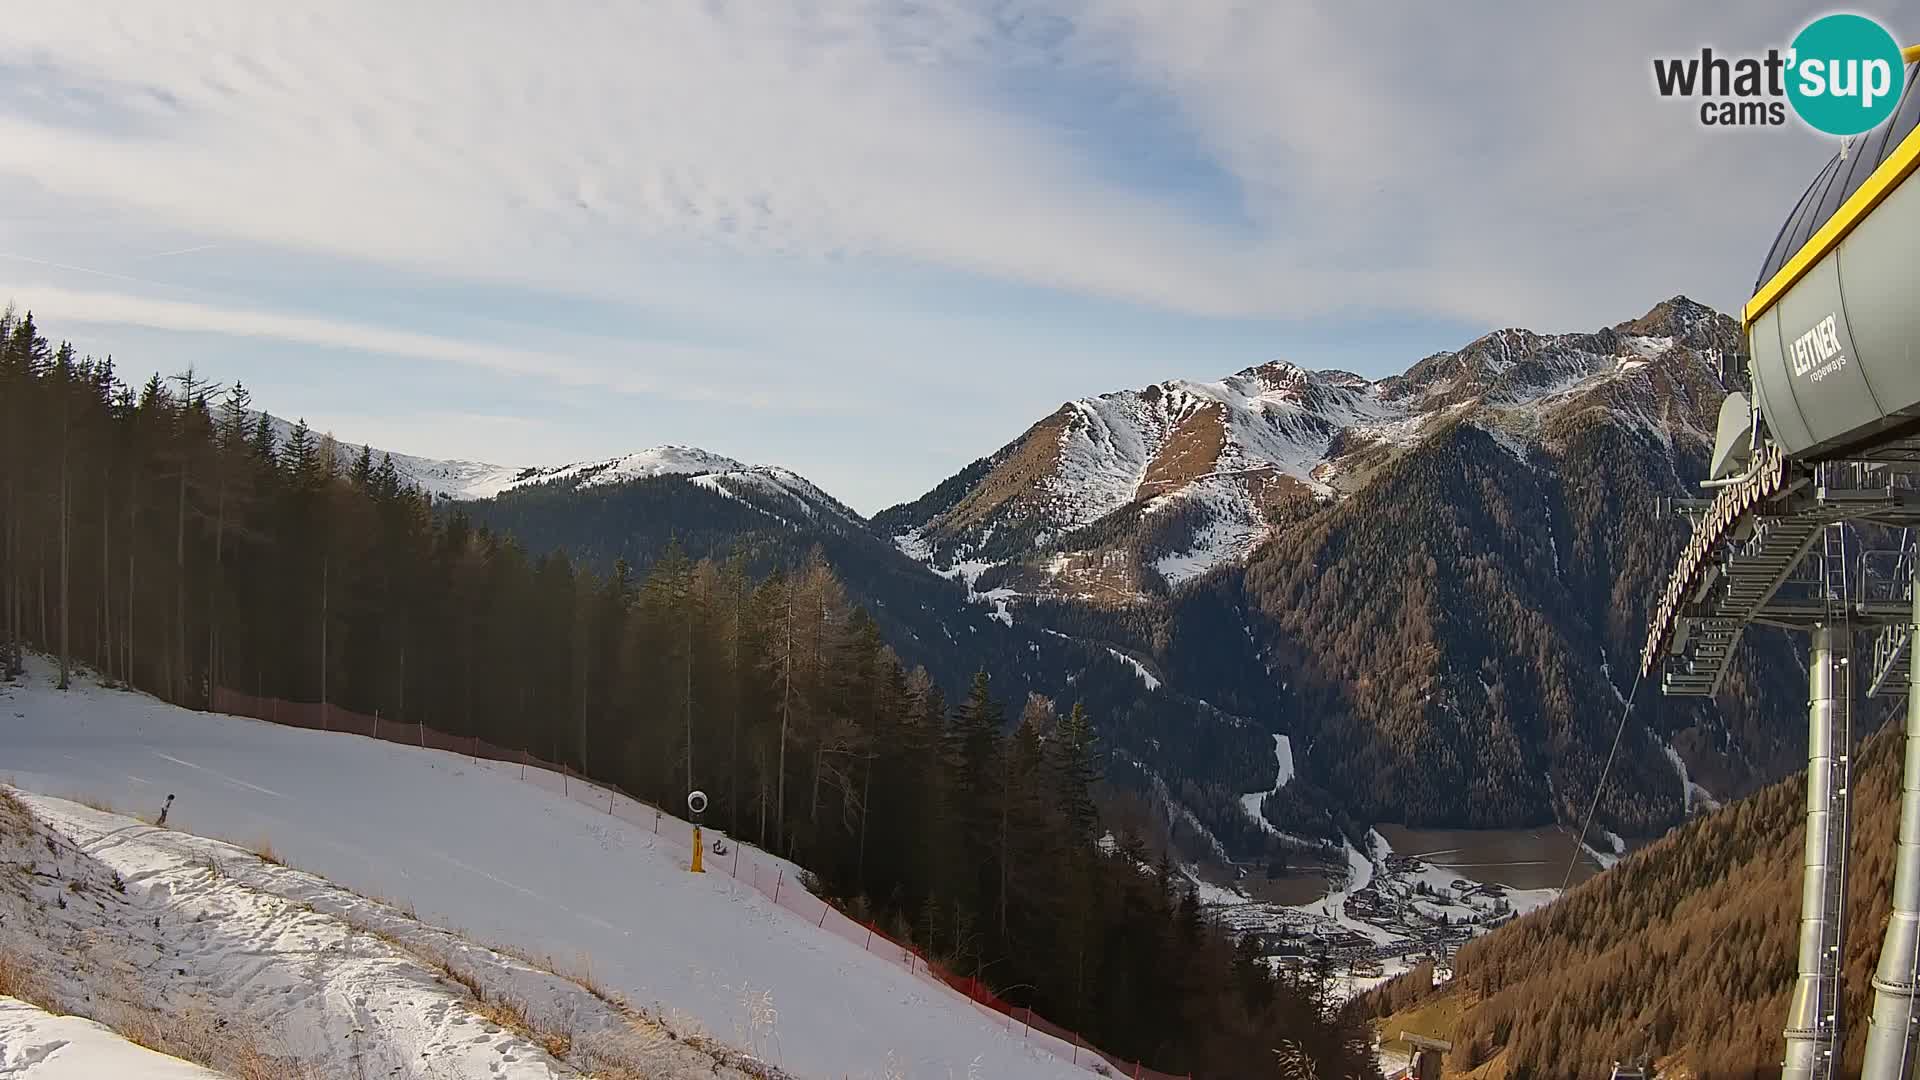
{"points": [[641, 465], [467, 480], [1223, 454]]}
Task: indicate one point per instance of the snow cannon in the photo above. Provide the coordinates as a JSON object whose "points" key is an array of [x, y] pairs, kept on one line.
{"points": [[1833, 327], [697, 805]]}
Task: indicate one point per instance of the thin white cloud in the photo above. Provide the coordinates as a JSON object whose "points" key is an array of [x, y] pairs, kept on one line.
{"points": [[57, 306], [463, 138], [1488, 161], [1492, 161]]}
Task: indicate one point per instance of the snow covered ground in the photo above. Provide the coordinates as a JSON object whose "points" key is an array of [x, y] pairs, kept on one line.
{"points": [[249, 966], [473, 847], [35, 1043], [1140, 669], [1359, 876], [1283, 758]]}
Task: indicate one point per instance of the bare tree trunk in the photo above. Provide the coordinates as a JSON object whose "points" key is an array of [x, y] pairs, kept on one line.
{"points": [[106, 581], [866, 791], [466, 679], [813, 808], [133, 525], [213, 585], [689, 689], [1006, 805], [179, 661], [786, 718], [12, 582], [325, 568], [66, 542], [10, 547], [733, 724]]}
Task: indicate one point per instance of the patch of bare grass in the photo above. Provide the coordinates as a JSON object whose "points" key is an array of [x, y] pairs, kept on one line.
{"points": [[264, 849], [558, 1044], [466, 979], [17, 981], [220, 1043], [14, 816], [580, 975], [503, 1012]]}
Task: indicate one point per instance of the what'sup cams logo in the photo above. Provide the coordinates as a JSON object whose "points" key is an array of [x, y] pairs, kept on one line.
{"points": [[1842, 76]]}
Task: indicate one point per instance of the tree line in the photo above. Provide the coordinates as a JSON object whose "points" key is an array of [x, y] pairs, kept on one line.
{"points": [[174, 540]]}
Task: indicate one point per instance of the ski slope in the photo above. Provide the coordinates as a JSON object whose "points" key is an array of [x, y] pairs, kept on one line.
{"points": [[37, 1044], [472, 847], [208, 951]]}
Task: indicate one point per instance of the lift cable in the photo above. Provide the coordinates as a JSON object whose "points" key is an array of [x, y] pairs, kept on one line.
{"points": [[1599, 789]]}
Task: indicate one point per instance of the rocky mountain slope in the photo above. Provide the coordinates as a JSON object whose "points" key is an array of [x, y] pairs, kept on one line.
{"points": [[1136, 491], [1432, 582]]}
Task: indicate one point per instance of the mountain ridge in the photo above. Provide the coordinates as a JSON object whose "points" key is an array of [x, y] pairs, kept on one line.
{"points": [[1216, 462], [1190, 545]]}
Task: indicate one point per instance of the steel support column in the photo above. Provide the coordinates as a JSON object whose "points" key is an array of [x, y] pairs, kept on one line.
{"points": [[1892, 1050], [1813, 1017]]}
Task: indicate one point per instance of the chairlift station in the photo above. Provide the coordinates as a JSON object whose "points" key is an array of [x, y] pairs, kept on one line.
{"points": [[1811, 527]]}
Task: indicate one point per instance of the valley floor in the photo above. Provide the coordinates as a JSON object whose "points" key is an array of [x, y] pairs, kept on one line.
{"points": [[1388, 909], [471, 846]]}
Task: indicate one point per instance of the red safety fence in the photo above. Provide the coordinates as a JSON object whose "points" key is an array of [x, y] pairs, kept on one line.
{"points": [[771, 876]]}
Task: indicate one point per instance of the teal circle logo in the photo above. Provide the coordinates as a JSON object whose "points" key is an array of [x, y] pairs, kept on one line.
{"points": [[1845, 74]]}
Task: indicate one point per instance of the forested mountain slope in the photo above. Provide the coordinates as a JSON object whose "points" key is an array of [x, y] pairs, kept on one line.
{"points": [[1158, 743], [1447, 638], [1685, 950]]}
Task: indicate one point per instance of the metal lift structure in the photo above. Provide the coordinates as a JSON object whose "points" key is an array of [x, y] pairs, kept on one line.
{"points": [[1812, 528]]}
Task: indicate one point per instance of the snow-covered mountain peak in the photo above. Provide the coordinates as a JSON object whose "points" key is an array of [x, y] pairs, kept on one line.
{"points": [[1275, 376], [1180, 476], [770, 486], [640, 465]]}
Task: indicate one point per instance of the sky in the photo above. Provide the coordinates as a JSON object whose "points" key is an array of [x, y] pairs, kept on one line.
{"points": [[870, 240]]}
